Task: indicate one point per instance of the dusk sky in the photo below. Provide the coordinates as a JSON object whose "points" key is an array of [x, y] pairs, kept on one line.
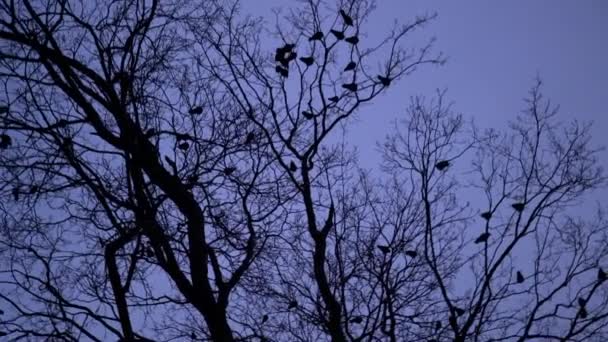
{"points": [[495, 49]]}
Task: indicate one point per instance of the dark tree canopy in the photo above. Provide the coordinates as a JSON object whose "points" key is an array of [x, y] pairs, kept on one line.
{"points": [[174, 170]]}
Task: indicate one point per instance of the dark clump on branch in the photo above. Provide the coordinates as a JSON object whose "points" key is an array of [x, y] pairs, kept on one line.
{"points": [[583, 309], [411, 254], [338, 34], [601, 275], [293, 167], [348, 21], [438, 325], [183, 146], [316, 36], [482, 238], [229, 170], [3, 109], [442, 165], [519, 207], [385, 81], [282, 71], [350, 86], [193, 336], [249, 138], [5, 141], [196, 110], [308, 115], [357, 320], [334, 99], [519, 277], [350, 66], [264, 318], [34, 189], [354, 40], [459, 312], [486, 215], [292, 305], [384, 249], [307, 60], [15, 192]]}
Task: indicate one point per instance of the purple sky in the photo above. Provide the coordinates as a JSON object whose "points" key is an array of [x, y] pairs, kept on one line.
{"points": [[495, 49]]}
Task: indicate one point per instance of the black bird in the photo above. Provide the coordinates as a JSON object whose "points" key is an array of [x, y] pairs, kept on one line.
{"points": [[338, 34], [196, 110], [291, 56], [2, 333], [411, 254], [601, 275], [264, 318], [519, 207], [583, 312], [352, 40], [3, 109], [482, 238], [282, 71], [350, 86], [5, 141], [183, 146], [348, 21], [288, 47], [438, 325], [15, 193], [308, 115], [1, 312], [316, 36], [519, 277], [384, 249], [293, 167], [357, 320], [250, 137], [350, 66], [292, 305], [486, 215], [279, 55], [193, 336], [459, 311], [229, 170], [307, 60], [34, 189], [334, 99], [582, 302], [385, 81], [453, 321], [442, 165]]}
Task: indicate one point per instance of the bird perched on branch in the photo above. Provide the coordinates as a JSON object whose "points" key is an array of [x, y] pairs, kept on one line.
{"points": [[334, 99], [350, 66], [293, 167], [350, 86], [292, 305], [308, 60], [196, 110], [519, 277], [486, 215], [411, 254], [308, 115], [348, 21], [5, 141], [354, 40], [482, 238], [384, 80], [357, 320], [338, 34], [601, 275], [384, 249], [519, 207], [316, 36], [442, 165], [229, 170]]}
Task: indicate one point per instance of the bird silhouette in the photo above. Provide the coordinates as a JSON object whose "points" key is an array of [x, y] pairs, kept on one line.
{"points": [[264, 318], [282, 71], [338, 34], [250, 137], [459, 311], [601, 275], [15, 192], [442, 165], [582, 302], [411, 254], [519, 207], [1, 312], [520, 277], [350, 66], [486, 215], [292, 305], [385, 81], [438, 325], [357, 320], [350, 86], [291, 56], [482, 238], [583, 312], [193, 336], [316, 36], [308, 115], [229, 170], [384, 249], [3, 109], [348, 21], [308, 60], [5, 141], [352, 40], [453, 321], [293, 167], [2, 333], [196, 110], [183, 146], [334, 99], [34, 189]]}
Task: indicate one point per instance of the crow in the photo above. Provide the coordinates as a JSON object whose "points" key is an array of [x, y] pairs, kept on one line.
{"points": [[250, 137], [5, 141], [357, 320], [308, 115], [316, 36], [193, 336], [482, 238], [338, 34], [292, 305], [520, 277], [348, 21], [350, 66], [486, 215], [183, 146], [411, 254], [438, 325], [384, 249], [442, 165], [307, 60], [264, 318], [350, 86], [282, 71], [34, 189], [519, 207], [583, 312], [459, 311], [196, 110], [601, 275], [385, 81], [293, 167], [229, 170], [334, 99], [354, 40], [15, 193], [3, 109]]}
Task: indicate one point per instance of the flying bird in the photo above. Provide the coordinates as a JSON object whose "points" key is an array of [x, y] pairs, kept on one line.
{"points": [[385, 81], [307, 60], [384, 249], [308, 115], [338, 34], [482, 238], [334, 99], [348, 21], [519, 207], [601, 275], [316, 36], [486, 215], [350, 86], [292, 305], [357, 320], [350, 66], [411, 254], [5, 141], [282, 71], [183, 146], [520, 277], [250, 137], [229, 170], [352, 40], [293, 167], [196, 110], [442, 165]]}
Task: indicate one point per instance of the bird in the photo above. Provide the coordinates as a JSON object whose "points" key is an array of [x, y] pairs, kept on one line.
{"points": [[519, 277], [15, 193], [292, 305], [482, 238], [453, 321], [2, 333], [384, 249], [352, 40], [582, 302], [193, 336], [384, 80], [350, 86], [308, 60], [183, 146], [316, 36], [338, 34], [601, 275], [459, 311], [438, 325], [33, 189], [442, 165], [334, 99], [291, 56], [5, 141], [264, 318], [350, 66], [583, 312], [411, 254], [293, 167], [308, 115], [229, 170], [3, 109], [282, 71], [1, 312], [348, 21], [357, 320], [486, 215], [196, 110], [250, 137], [519, 206]]}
